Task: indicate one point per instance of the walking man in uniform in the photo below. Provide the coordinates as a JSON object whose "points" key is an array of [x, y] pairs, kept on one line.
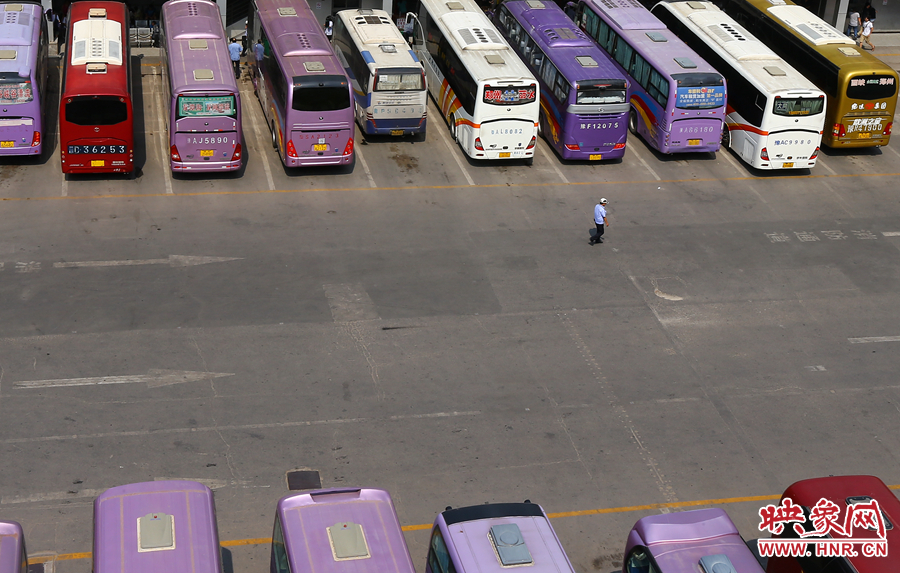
{"points": [[235, 50], [599, 220]]}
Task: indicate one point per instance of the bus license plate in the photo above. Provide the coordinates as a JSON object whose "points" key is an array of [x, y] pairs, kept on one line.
{"points": [[206, 153], [7, 143], [98, 163], [320, 147], [865, 135], [396, 132], [694, 141], [504, 154], [596, 157], [787, 165]]}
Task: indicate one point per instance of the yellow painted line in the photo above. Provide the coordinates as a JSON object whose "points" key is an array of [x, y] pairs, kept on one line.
{"points": [[579, 513], [428, 187]]}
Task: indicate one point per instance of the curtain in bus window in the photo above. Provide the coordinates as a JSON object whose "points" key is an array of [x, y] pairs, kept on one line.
{"points": [[606, 37], [588, 94], [503, 16], [658, 87], [591, 21], [528, 49], [96, 110], [549, 73], [537, 58], [640, 70], [623, 53], [458, 77], [14, 89], [561, 88], [872, 87]]}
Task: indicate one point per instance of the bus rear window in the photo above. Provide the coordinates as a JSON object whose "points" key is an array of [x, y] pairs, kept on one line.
{"points": [[398, 80], [600, 93], [205, 106], [699, 91], [321, 93], [799, 106], [14, 89], [510, 95], [872, 87], [96, 110]]}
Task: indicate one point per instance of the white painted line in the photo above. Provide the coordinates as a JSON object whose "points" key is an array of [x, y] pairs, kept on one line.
{"points": [[451, 146], [365, 167], [246, 97], [826, 166], [173, 260], [163, 140], [726, 152], [65, 184], [641, 159], [866, 339], [272, 425], [895, 152], [891, 233], [154, 379], [551, 157]]}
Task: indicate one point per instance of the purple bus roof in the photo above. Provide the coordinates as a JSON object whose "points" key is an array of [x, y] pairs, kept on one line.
{"points": [[298, 39], [678, 541], [562, 41], [306, 517], [11, 539], [18, 29], [185, 21], [195, 546], [636, 24], [467, 530]]}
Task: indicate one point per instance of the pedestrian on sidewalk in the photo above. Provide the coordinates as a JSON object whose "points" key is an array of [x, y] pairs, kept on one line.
{"points": [[235, 50], [865, 37], [853, 24], [599, 220]]}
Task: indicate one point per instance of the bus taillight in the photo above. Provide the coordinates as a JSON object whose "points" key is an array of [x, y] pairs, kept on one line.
{"points": [[764, 154], [36, 138], [533, 141], [619, 146], [478, 145], [838, 130], [815, 154], [237, 153], [569, 146], [887, 129], [174, 152], [291, 150], [348, 149]]}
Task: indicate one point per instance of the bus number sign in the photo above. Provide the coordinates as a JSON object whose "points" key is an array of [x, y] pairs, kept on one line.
{"points": [[510, 95], [96, 149]]}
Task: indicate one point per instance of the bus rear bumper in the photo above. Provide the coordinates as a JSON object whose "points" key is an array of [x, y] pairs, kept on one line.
{"points": [[205, 166], [396, 128], [20, 151], [128, 167], [319, 161]]}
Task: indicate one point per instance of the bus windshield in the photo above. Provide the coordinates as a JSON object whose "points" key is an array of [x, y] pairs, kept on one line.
{"points": [[600, 93], [14, 89], [398, 80], [96, 110], [872, 87], [205, 106], [321, 93], [699, 91], [799, 106]]}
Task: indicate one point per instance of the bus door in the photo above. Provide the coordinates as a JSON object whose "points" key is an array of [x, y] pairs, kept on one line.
{"points": [[206, 128]]}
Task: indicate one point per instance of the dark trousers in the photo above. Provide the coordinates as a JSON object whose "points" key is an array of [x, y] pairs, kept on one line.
{"points": [[597, 238], [237, 68]]}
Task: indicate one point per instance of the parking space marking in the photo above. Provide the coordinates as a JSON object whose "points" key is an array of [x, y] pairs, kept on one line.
{"points": [[644, 163], [726, 153], [866, 339], [894, 151], [450, 146], [826, 166], [162, 133], [551, 157], [366, 168], [260, 140]]}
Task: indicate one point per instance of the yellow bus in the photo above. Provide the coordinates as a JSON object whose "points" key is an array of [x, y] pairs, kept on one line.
{"points": [[861, 89]]}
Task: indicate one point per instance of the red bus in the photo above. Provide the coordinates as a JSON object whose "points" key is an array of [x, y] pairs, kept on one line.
{"points": [[96, 123]]}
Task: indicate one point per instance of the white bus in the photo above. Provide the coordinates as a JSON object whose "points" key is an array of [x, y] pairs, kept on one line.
{"points": [[486, 94], [388, 79], [775, 115]]}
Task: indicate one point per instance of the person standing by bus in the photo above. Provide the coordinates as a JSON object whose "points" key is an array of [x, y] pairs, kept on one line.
{"points": [[599, 220], [865, 37], [853, 23], [235, 50], [869, 12]]}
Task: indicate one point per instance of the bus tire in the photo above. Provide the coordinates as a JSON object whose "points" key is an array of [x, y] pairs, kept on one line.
{"points": [[632, 122], [541, 125], [274, 137], [726, 137], [453, 127]]}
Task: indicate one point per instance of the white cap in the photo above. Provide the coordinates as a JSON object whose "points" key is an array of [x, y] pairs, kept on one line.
{"points": [[603, 201]]}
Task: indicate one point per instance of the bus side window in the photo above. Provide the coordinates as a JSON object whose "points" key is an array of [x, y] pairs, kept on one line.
{"points": [[658, 87], [537, 59], [438, 557], [640, 71], [639, 562], [279, 555], [528, 49], [623, 53], [502, 16], [609, 44], [590, 22]]}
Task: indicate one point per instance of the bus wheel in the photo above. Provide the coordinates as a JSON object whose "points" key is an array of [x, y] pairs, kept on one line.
{"points": [[453, 127], [540, 125], [726, 136], [632, 122], [274, 137]]}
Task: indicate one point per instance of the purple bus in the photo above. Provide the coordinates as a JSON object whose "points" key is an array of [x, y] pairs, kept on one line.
{"points": [[23, 77], [703, 540], [339, 531], [305, 94], [13, 558], [584, 108], [677, 99], [491, 538], [204, 119], [153, 527]]}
